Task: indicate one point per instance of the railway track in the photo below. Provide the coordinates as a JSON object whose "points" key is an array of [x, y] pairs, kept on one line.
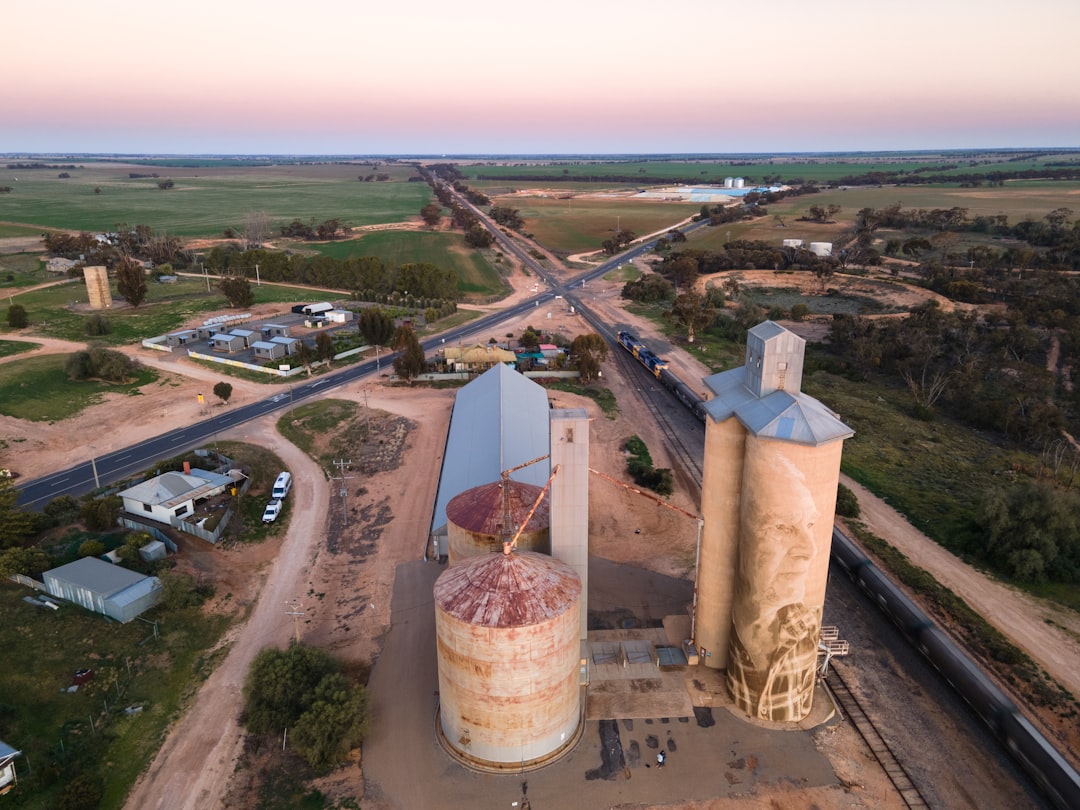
{"points": [[663, 407], [853, 711]]}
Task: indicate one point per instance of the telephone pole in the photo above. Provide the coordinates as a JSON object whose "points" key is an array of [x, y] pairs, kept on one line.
{"points": [[341, 464]]}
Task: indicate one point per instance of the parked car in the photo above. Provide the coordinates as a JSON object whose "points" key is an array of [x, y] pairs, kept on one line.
{"points": [[273, 509]]}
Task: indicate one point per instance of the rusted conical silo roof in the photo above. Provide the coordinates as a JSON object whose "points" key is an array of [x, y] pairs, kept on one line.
{"points": [[508, 590], [481, 508]]}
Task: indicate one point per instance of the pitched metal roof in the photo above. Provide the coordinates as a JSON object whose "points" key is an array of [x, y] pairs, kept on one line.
{"points": [[499, 420], [97, 576], [172, 488]]}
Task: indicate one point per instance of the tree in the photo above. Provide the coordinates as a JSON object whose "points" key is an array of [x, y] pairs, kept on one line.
{"points": [[333, 724], [91, 548], [165, 184], [305, 355], [324, 346], [431, 214], [257, 229], [97, 325], [529, 338], [478, 236], [15, 524], [101, 514], [237, 290], [17, 317], [376, 325], [223, 391], [25, 561], [410, 362], [588, 350], [693, 312], [131, 281], [280, 686]]}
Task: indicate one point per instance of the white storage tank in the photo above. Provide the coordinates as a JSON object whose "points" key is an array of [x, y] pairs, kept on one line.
{"points": [[821, 248], [506, 628], [729, 182], [793, 243], [739, 182]]}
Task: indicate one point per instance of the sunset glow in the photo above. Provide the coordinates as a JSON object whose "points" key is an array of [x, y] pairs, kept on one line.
{"points": [[480, 76]]}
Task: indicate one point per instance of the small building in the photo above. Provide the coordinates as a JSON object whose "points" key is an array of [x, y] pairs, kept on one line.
{"points": [[266, 350], [207, 331], [7, 767], [171, 496], [821, 248], [288, 342], [181, 338], [272, 330], [476, 357], [102, 588], [549, 350], [227, 342], [153, 551], [249, 336], [339, 315], [312, 309]]}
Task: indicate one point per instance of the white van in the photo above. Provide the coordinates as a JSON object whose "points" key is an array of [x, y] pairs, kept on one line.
{"points": [[282, 486]]}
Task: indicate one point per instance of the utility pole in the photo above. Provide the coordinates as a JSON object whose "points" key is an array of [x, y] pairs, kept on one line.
{"points": [[93, 466], [341, 464], [258, 283], [296, 612]]}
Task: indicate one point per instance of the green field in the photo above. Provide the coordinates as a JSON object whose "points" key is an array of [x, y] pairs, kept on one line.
{"points": [[38, 389], [573, 226], [444, 249], [822, 168], [167, 307], [206, 200], [1018, 200]]}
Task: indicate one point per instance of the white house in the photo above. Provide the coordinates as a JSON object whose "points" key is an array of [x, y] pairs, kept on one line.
{"points": [[172, 495], [102, 587]]}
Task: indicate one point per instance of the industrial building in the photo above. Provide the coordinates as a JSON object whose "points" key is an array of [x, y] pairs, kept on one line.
{"points": [[772, 466]]}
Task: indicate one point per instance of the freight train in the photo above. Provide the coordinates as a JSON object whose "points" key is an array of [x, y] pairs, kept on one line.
{"points": [[1030, 748], [659, 369], [1034, 752]]}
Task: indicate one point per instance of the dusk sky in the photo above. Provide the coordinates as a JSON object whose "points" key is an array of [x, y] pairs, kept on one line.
{"points": [[478, 76]]}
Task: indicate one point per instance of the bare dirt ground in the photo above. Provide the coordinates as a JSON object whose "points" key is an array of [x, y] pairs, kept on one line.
{"points": [[345, 594]]}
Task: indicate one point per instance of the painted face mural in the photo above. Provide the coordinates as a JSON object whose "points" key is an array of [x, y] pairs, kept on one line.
{"points": [[773, 651]]}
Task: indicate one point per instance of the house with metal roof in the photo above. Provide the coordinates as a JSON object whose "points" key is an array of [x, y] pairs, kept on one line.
{"points": [[476, 357], [499, 420], [268, 350], [290, 343], [104, 588], [171, 496], [7, 767], [227, 342]]}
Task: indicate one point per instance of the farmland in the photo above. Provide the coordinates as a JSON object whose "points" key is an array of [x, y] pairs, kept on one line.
{"points": [[206, 200]]}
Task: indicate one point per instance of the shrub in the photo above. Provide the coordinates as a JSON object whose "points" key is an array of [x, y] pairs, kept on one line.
{"points": [[847, 505], [17, 317], [98, 325], [91, 548]]}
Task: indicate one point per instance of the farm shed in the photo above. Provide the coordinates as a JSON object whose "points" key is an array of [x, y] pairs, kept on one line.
{"points": [[227, 343], [172, 495], [103, 588], [181, 338], [7, 766], [288, 342], [272, 330], [265, 350], [339, 315], [316, 309]]}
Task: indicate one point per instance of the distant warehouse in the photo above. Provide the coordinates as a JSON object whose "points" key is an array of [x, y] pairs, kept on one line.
{"points": [[312, 309]]}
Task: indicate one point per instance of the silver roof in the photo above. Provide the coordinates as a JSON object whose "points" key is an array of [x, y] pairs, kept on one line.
{"points": [[499, 420], [97, 576], [749, 393], [172, 488]]}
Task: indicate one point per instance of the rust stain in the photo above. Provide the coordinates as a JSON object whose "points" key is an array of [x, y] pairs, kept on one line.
{"points": [[502, 591]]}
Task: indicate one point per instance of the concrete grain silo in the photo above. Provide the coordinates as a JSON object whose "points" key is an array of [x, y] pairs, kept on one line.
{"points": [[506, 628], [97, 287], [479, 519]]}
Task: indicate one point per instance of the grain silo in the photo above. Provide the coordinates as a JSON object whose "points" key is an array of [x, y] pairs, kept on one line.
{"points": [[740, 182], [480, 519], [729, 182], [506, 628], [97, 287]]}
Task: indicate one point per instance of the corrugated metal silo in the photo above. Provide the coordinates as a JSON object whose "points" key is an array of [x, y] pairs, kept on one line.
{"points": [[739, 182], [729, 182], [506, 629], [475, 520]]}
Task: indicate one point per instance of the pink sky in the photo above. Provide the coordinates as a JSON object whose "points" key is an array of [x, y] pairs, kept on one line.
{"points": [[482, 76]]}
